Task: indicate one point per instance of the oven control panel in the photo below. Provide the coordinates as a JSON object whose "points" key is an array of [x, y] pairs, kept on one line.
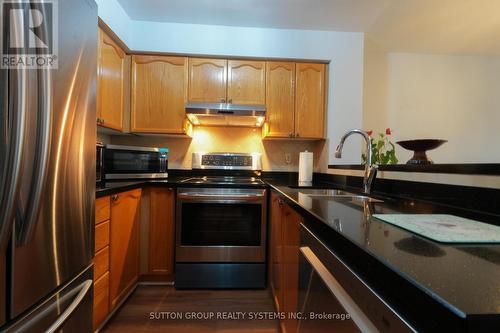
{"points": [[236, 161], [223, 160]]}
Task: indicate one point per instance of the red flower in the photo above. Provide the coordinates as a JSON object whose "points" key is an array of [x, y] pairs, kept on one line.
{"points": [[388, 131], [370, 132]]}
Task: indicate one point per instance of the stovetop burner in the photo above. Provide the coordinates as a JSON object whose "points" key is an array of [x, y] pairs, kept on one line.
{"points": [[224, 180]]}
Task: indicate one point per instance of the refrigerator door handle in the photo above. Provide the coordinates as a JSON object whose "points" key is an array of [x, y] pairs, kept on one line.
{"points": [[17, 117], [41, 159], [28, 220], [84, 289]]}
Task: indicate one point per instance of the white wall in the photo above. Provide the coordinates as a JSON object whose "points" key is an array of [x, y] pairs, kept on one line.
{"points": [[111, 12], [449, 97], [343, 49]]}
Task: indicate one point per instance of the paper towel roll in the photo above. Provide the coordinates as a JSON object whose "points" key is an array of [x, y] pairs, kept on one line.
{"points": [[305, 168]]}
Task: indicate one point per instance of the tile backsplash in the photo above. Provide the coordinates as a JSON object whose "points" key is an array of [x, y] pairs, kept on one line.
{"points": [[232, 139]]}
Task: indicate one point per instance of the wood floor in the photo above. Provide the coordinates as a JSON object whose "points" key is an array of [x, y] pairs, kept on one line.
{"points": [[163, 301]]}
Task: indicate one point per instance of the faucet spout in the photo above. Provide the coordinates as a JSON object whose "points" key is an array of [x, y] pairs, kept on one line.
{"points": [[370, 170]]}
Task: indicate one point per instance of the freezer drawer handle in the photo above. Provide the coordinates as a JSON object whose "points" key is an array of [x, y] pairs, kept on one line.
{"points": [[357, 315], [85, 287]]}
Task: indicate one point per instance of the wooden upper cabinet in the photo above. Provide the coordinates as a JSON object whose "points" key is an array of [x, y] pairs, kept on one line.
{"points": [[207, 80], [310, 100], [159, 88], [124, 244], [246, 82], [280, 99], [110, 83]]}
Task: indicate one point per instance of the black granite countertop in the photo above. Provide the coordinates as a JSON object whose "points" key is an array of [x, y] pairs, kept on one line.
{"points": [[466, 169], [114, 187], [434, 285]]}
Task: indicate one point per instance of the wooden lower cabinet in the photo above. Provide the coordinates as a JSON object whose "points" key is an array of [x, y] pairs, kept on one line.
{"points": [[101, 261], [161, 231], [101, 299], [101, 236], [102, 209], [124, 245], [118, 245], [284, 261], [291, 243], [276, 250]]}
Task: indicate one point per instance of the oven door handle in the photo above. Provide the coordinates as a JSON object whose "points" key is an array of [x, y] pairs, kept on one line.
{"points": [[194, 196]]}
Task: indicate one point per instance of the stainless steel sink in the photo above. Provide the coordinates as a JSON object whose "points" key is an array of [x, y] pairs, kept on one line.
{"points": [[337, 195], [324, 192]]}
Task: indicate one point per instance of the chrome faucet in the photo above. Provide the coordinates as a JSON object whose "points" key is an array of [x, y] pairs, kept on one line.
{"points": [[370, 170]]}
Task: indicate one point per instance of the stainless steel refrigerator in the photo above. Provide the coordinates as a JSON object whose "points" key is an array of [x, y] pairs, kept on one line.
{"points": [[47, 182]]}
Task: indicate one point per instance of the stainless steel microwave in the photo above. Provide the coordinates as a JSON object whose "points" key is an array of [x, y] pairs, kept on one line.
{"points": [[130, 162]]}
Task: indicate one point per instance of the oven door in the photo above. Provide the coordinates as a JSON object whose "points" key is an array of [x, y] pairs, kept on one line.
{"points": [[126, 162], [221, 225]]}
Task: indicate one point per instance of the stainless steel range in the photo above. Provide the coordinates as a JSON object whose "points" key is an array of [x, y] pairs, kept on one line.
{"points": [[221, 225]]}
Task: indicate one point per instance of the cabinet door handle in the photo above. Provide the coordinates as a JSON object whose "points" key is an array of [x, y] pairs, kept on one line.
{"points": [[230, 100], [222, 100], [290, 134], [297, 135], [114, 198]]}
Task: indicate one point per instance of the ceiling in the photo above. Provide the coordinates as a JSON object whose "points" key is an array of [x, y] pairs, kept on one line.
{"points": [[432, 26], [335, 15]]}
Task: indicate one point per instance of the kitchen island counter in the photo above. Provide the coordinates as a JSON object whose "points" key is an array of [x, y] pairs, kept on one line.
{"points": [[434, 286]]}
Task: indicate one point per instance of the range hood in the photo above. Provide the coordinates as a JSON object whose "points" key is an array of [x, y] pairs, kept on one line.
{"points": [[226, 114]]}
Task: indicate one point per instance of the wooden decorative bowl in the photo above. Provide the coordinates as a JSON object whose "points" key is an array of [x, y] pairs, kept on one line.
{"points": [[419, 148]]}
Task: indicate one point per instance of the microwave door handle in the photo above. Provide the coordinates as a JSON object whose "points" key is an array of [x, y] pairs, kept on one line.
{"points": [[17, 82], [44, 113], [101, 163], [357, 315], [164, 164]]}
